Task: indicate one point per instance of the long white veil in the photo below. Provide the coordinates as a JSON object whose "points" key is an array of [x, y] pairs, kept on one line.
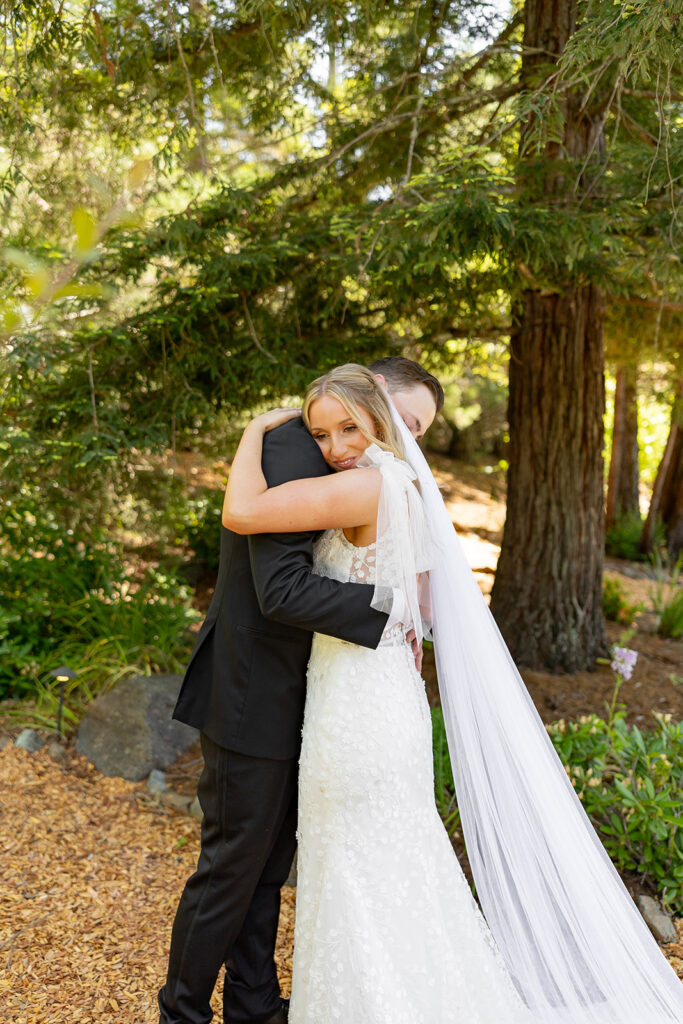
{"points": [[575, 944]]}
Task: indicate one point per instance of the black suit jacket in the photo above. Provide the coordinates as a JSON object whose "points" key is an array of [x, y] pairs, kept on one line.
{"points": [[245, 682]]}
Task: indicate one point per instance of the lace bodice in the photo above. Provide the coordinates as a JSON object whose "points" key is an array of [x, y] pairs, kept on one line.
{"points": [[335, 556]]}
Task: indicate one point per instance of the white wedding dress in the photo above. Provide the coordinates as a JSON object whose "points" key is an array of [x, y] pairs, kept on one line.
{"points": [[387, 930]]}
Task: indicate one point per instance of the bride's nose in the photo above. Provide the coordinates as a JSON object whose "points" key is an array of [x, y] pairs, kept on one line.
{"points": [[337, 448]]}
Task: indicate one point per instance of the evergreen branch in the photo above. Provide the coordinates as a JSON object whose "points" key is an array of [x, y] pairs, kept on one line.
{"points": [[669, 305], [190, 92], [650, 94], [252, 331]]}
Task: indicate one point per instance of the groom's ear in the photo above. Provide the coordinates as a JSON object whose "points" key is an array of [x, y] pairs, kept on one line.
{"points": [[382, 380]]}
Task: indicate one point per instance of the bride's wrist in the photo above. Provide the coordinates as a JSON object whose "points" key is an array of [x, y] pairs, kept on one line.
{"points": [[256, 427]]}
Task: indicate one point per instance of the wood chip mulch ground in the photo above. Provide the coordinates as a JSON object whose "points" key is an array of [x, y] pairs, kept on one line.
{"points": [[90, 873]]}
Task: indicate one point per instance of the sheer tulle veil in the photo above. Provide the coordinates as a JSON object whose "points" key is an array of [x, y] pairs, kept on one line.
{"points": [[574, 942]]}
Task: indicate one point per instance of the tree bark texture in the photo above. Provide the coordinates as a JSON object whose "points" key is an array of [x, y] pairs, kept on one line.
{"points": [[667, 494], [547, 596], [622, 486]]}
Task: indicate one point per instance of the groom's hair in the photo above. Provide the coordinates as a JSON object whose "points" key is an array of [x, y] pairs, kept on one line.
{"points": [[401, 374]]}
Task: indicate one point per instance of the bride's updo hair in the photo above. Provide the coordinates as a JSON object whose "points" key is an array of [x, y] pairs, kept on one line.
{"points": [[355, 387]]}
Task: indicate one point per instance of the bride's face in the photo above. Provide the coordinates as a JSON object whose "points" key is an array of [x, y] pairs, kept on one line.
{"points": [[339, 438]]}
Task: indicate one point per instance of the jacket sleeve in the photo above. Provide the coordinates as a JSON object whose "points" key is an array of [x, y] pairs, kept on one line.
{"points": [[288, 590]]}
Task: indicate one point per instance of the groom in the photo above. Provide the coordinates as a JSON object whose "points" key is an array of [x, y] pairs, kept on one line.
{"points": [[244, 689]]}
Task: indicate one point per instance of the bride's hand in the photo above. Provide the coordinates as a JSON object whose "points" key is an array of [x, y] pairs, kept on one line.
{"points": [[274, 418]]}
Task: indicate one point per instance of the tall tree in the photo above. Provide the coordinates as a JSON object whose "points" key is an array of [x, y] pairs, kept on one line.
{"points": [[380, 211], [666, 505], [550, 613], [623, 480]]}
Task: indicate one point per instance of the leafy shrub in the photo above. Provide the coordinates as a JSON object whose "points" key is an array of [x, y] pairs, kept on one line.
{"points": [[200, 527], [630, 784], [65, 601], [444, 787], [671, 617], [622, 540], [667, 601], [615, 607]]}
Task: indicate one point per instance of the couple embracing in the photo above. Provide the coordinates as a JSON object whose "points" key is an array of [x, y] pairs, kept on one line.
{"points": [[337, 556]]}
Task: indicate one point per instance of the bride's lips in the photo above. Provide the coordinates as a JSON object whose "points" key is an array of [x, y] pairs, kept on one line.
{"points": [[347, 463]]}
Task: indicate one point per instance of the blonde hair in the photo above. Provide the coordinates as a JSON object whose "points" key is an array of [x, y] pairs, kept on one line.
{"points": [[355, 387]]}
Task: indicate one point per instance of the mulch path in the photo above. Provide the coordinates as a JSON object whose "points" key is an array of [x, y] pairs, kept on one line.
{"points": [[90, 873], [91, 870]]}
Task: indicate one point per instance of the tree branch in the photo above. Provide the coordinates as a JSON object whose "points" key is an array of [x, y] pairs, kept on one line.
{"points": [[252, 331], [673, 307]]}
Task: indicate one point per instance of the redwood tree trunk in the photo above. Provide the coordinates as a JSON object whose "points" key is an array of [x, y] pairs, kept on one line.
{"points": [[547, 596], [622, 488], [667, 495]]}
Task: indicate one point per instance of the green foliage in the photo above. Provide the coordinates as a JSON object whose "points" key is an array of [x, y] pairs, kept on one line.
{"points": [[622, 540], [615, 607], [630, 783], [667, 600], [444, 787], [671, 617], [65, 601], [201, 528]]}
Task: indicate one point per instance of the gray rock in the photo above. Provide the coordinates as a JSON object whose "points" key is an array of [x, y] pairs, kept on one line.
{"points": [[56, 750], [176, 801], [28, 739], [195, 810], [659, 922], [129, 730], [156, 781], [5, 740]]}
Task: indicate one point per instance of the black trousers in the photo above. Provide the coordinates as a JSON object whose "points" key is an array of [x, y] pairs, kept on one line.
{"points": [[228, 912]]}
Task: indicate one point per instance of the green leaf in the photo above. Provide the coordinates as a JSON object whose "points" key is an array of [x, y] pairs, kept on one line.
{"points": [[86, 230]]}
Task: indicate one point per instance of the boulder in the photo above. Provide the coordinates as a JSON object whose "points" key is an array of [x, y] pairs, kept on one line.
{"points": [[176, 801], [29, 739], [156, 783], [195, 810], [129, 730], [659, 923]]}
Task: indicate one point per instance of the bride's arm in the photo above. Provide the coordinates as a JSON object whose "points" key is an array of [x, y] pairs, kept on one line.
{"points": [[340, 500]]}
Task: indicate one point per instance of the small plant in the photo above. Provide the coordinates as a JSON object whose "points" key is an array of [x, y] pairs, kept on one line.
{"points": [[622, 664], [623, 538], [630, 783], [631, 786], [667, 599], [444, 787], [615, 607]]}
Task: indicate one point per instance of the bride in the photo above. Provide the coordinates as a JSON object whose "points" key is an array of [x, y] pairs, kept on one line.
{"points": [[387, 931]]}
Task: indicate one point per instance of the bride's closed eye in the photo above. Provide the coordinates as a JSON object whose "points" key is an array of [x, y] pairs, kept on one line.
{"points": [[319, 436]]}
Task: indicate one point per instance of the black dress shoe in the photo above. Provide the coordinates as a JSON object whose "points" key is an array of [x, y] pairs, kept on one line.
{"points": [[280, 1016]]}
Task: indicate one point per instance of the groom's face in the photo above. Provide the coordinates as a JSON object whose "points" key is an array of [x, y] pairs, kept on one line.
{"points": [[415, 406]]}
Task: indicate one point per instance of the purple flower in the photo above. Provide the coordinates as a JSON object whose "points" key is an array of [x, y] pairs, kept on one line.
{"points": [[623, 661]]}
